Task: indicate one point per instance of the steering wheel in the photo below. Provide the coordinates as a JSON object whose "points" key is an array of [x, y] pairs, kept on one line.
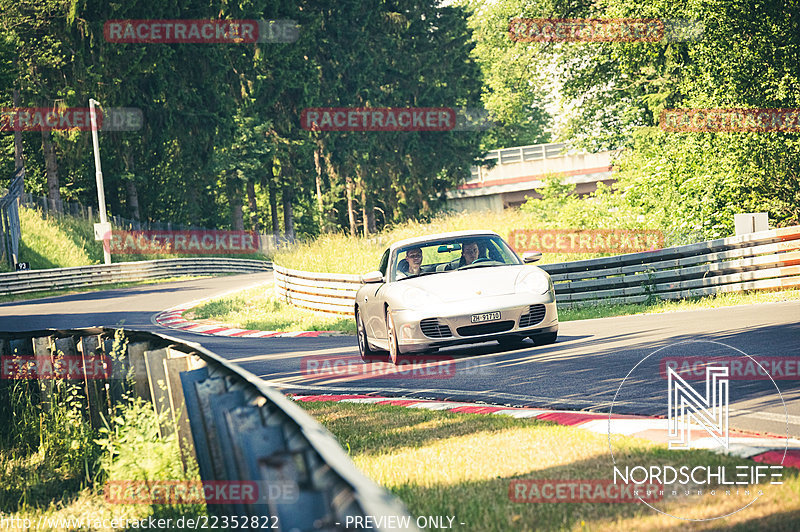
{"points": [[482, 259]]}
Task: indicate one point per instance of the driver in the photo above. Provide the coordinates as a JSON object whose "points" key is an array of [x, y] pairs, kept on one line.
{"points": [[469, 253]]}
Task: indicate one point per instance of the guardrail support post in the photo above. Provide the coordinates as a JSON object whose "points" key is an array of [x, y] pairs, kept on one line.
{"points": [[157, 378], [173, 367], [89, 348]]}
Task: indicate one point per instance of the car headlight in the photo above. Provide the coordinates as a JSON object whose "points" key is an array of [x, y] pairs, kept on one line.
{"points": [[415, 297], [536, 282]]}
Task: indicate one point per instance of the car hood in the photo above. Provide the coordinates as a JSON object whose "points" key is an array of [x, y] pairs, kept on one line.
{"points": [[469, 284]]}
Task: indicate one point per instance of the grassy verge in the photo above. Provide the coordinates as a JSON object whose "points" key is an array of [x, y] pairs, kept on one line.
{"points": [[451, 464], [109, 286], [61, 242], [258, 309]]}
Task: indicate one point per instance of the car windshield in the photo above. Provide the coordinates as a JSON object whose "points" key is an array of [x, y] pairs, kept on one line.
{"points": [[447, 255]]}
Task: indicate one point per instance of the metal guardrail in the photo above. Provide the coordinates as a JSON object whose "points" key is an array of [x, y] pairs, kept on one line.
{"points": [[766, 260], [58, 278], [237, 427]]}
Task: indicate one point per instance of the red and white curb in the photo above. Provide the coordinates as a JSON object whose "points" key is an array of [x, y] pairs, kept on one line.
{"points": [[765, 449], [173, 319]]}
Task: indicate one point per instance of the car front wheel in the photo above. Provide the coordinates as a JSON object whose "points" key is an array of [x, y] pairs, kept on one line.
{"points": [[394, 350]]}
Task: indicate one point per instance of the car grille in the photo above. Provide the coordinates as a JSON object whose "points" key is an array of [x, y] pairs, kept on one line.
{"points": [[433, 329], [485, 328], [535, 315]]}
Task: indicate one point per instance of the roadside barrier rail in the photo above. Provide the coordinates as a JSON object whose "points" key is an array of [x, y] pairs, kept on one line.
{"points": [[58, 278], [236, 427], [766, 260]]}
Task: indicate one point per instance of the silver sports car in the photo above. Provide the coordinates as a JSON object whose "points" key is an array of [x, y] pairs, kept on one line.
{"points": [[453, 288]]}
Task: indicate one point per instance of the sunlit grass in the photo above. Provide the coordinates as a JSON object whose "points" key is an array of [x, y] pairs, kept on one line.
{"points": [[259, 309], [452, 464]]}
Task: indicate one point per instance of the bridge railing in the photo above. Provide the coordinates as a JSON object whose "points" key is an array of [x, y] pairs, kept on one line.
{"points": [[767, 260], [519, 154], [238, 429]]}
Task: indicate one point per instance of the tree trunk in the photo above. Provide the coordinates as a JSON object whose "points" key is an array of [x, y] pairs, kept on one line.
{"points": [[288, 215], [130, 185], [269, 177], [235, 197], [320, 208], [351, 215], [367, 205], [255, 225], [18, 158], [133, 199], [51, 171], [368, 212]]}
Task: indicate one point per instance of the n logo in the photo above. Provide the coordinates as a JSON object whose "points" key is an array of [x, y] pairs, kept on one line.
{"points": [[685, 404]]}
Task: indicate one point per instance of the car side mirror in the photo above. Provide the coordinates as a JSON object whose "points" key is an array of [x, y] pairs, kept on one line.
{"points": [[372, 277], [531, 256]]}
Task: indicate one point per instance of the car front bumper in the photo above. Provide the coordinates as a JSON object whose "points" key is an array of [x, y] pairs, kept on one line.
{"points": [[456, 317]]}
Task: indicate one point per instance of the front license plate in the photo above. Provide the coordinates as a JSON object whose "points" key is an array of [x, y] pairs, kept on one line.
{"points": [[489, 316]]}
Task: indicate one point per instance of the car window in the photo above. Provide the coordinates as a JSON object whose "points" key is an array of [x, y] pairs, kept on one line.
{"points": [[445, 255]]}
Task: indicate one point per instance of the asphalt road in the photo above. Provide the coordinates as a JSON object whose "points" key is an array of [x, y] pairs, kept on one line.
{"points": [[583, 370]]}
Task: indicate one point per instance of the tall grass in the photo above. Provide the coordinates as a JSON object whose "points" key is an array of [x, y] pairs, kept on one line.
{"points": [[340, 253]]}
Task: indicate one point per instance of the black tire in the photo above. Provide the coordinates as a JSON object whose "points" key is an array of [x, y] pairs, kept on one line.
{"points": [[544, 339], [391, 334], [364, 350]]}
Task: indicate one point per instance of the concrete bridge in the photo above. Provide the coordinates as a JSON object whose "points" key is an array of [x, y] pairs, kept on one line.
{"points": [[519, 171]]}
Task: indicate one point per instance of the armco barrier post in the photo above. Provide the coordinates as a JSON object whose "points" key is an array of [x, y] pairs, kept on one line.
{"points": [[89, 348], [157, 381], [136, 359], [173, 367], [42, 347]]}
